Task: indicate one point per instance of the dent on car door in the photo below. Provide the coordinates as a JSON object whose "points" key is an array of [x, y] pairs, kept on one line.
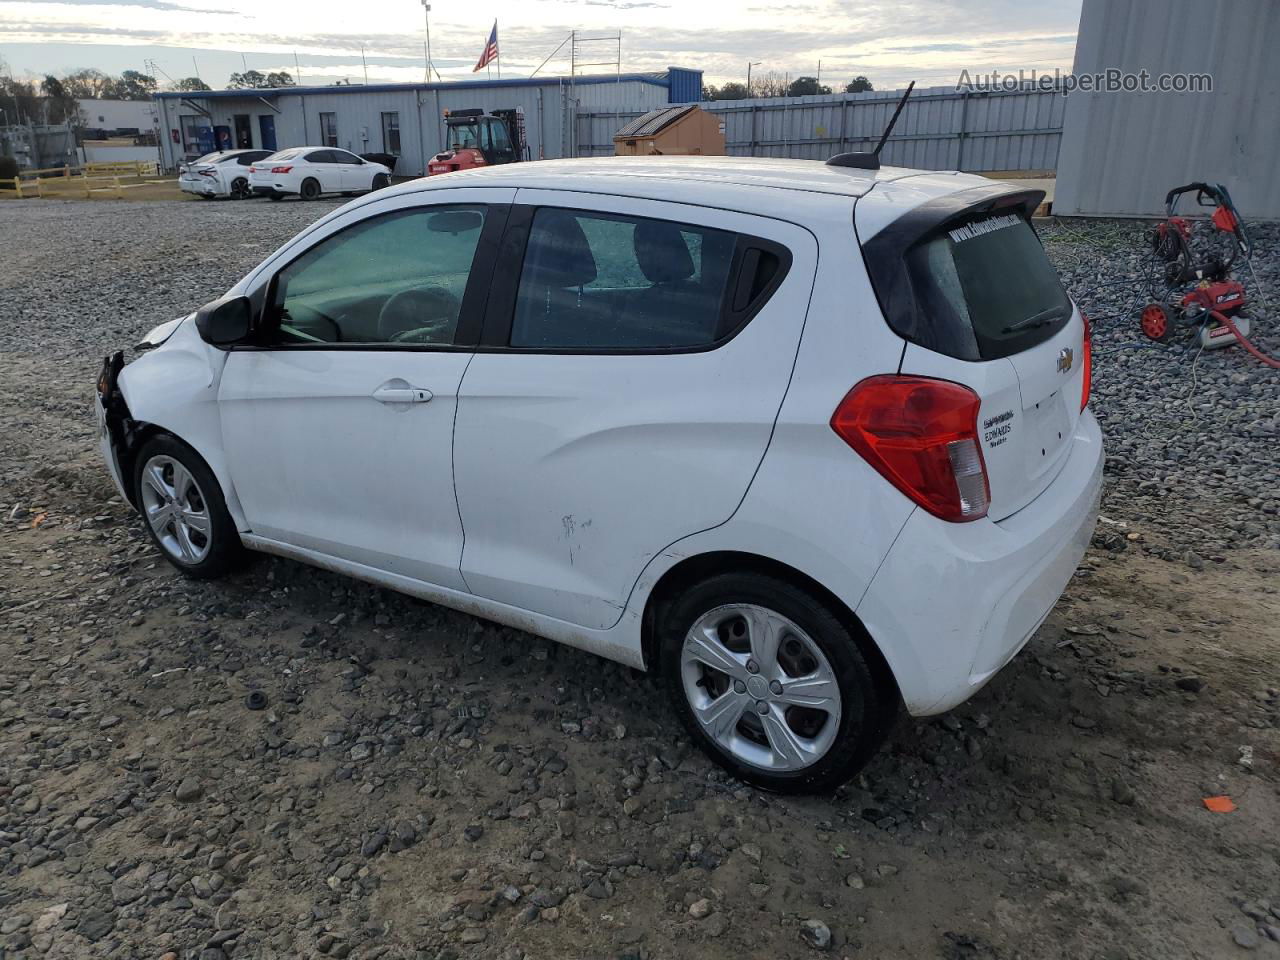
{"points": [[625, 394], [338, 420]]}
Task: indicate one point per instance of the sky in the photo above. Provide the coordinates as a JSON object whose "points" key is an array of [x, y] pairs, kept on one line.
{"points": [[929, 41]]}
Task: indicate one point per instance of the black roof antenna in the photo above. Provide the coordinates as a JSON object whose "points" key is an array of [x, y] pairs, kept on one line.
{"points": [[871, 161]]}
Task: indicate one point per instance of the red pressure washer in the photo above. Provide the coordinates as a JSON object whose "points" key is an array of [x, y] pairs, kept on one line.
{"points": [[1215, 301]]}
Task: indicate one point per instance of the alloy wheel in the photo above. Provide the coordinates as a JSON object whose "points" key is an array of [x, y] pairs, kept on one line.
{"points": [[760, 687], [176, 509]]}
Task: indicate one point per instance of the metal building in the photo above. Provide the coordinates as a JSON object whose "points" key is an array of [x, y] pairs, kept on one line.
{"points": [[1121, 152], [404, 119]]}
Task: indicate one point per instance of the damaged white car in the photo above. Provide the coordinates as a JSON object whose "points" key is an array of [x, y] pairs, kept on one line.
{"points": [[812, 441]]}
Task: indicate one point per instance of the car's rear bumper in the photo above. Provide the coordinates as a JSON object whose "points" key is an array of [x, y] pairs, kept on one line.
{"points": [[203, 189], [954, 602]]}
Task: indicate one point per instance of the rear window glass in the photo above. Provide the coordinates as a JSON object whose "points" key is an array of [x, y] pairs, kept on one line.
{"points": [[986, 288], [283, 155]]}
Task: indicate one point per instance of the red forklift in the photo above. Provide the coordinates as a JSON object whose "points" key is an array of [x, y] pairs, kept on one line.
{"points": [[479, 139]]}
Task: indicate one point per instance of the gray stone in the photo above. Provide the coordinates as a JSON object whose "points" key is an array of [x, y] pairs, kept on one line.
{"points": [[816, 934]]}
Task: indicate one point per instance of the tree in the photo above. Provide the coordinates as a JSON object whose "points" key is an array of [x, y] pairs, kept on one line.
{"points": [[136, 86], [191, 85], [250, 79], [19, 101], [279, 78], [710, 91], [858, 84], [732, 91], [59, 105], [771, 84], [806, 87], [90, 84]]}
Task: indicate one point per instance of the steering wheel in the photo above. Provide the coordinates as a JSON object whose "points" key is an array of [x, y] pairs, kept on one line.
{"points": [[419, 315]]}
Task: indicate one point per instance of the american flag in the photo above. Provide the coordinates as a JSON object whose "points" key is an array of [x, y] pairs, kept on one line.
{"points": [[490, 50]]}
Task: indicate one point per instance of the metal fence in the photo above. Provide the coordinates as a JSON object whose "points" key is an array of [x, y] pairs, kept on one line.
{"points": [[37, 145], [940, 128]]}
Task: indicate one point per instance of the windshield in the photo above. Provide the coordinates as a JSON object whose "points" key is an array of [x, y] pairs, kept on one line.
{"points": [[464, 136]]}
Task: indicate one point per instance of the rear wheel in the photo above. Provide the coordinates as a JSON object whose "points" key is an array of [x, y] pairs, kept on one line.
{"points": [[182, 505], [1155, 322], [240, 189], [771, 684], [310, 189]]}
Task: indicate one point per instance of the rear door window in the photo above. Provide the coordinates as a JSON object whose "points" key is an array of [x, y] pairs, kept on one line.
{"points": [[599, 281]]}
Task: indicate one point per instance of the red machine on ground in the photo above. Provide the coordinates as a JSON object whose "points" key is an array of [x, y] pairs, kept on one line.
{"points": [[1214, 301], [478, 139]]}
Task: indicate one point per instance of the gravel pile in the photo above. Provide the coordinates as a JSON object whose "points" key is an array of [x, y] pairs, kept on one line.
{"points": [[292, 764]]}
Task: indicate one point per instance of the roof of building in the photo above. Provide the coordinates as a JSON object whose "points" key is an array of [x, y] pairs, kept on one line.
{"points": [[657, 79], [654, 121]]}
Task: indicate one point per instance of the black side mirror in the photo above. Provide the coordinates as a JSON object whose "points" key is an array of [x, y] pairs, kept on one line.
{"points": [[225, 322]]}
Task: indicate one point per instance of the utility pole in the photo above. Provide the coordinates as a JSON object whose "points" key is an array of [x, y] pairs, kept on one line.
{"points": [[818, 78], [365, 64], [751, 64], [426, 20]]}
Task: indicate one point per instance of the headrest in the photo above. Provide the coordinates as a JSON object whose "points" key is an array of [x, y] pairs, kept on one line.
{"points": [[661, 252], [559, 255]]}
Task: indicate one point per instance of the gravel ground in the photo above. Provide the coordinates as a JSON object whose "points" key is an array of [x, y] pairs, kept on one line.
{"points": [[422, 784]]}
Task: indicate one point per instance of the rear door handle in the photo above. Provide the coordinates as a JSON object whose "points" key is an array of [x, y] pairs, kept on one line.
{"points": [[398, 392]]}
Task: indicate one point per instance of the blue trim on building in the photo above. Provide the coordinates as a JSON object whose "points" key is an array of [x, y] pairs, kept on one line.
{"points": [[658, 80]]}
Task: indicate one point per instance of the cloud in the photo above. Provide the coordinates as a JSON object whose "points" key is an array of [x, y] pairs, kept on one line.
{"points": [[147, 4]]}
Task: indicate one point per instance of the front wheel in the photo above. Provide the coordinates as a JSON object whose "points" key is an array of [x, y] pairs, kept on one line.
{"points": [[275, 195], [182, 505], [380, 181], [771, 683]]}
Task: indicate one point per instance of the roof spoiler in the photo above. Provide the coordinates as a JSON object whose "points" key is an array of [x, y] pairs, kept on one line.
{"points": [[871, 161]]}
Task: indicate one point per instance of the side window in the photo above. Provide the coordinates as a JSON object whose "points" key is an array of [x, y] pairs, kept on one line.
{"points": [[397, 278], [341, 156], [618, 282]]}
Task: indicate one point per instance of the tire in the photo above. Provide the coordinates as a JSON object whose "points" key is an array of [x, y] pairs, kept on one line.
{"points": [[195, 533], [275, 195], [310, 189], [380, 182], [826, 745], [240, 189]]}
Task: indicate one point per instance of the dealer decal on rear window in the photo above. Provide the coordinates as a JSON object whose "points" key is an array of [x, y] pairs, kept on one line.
{"points": [[995, 430], [982, 227]]}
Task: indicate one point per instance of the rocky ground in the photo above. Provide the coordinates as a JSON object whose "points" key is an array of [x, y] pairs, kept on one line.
{"points": [[292, 764]]}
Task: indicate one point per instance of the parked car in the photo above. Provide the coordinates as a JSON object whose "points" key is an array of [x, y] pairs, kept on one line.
{"points": [[311, 172], [224, 173], [811, 442]]}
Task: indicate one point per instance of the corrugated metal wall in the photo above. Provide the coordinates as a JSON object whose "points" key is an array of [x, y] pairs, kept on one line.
{"points": [[939, 129], [1122, 151], [358, 113]]}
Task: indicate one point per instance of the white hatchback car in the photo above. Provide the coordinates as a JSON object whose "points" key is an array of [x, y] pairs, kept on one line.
{"points": [[812, 442], [311, 172], [221, 174]]}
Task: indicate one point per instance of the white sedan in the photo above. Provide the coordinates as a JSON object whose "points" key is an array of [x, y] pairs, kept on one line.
{"points": [[310, 172], [224, 173]]}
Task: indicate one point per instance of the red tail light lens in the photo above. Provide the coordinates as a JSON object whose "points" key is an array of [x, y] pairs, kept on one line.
{"points": [[253, 169], [921, 435], [1087, 351], [281, 169]]}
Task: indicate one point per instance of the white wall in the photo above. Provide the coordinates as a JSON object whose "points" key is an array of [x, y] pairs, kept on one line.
{"points": [[119, 114]]}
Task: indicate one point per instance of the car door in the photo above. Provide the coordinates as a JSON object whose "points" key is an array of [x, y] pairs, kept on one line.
{"points": [[354, 172], [338, 423], [322, 165], [632, 366]]}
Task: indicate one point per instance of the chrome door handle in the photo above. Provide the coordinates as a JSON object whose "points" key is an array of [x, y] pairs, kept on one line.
{"points": [[388, 393]]}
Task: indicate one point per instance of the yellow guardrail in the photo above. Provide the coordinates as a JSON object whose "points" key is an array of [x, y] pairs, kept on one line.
{"points": [[62, 182]]}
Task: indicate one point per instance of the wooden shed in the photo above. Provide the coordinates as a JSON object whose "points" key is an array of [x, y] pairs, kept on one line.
{"points": [[684, 130]]}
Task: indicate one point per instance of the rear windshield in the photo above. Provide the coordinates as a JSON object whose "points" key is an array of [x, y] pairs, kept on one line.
{"points": [[984, 288], [208, 157], [283, 155]]}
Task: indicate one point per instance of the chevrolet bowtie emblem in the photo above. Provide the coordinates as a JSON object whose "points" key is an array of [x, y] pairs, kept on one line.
{"points": [[1065, 358]]}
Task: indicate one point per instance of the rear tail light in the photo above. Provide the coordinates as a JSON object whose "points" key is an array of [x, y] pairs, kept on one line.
{"points": [[921, 435], [1087, 353], [253, 169], [208, 173], [281, 169]]}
